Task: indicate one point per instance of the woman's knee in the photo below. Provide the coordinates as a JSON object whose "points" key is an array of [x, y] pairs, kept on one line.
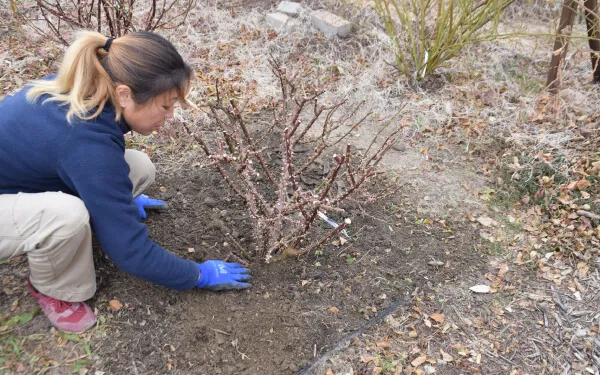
{"points": [[142, 171], [65, 214]]}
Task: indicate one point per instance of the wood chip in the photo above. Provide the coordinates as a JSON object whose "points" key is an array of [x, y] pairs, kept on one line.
{"points": [[480, 288], [419, 361]]}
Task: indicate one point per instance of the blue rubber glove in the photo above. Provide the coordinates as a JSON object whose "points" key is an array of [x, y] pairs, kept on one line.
{"points": [[143, 202], [217, 275]]}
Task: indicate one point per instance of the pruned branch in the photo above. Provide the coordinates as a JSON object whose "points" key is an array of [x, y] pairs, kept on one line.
{"points": [[284, 209]]}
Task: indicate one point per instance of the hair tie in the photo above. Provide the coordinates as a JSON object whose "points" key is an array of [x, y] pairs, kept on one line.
{"points": [[108, 43]]}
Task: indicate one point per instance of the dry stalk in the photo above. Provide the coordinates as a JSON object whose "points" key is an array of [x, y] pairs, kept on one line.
{"points": [[112, 17], [265, 171]]}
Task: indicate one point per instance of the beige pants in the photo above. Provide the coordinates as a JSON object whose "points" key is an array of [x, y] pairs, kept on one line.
{"points": [[53, 229]]}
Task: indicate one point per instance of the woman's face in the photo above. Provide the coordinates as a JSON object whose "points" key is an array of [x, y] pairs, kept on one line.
{"points": [[148, 117]]}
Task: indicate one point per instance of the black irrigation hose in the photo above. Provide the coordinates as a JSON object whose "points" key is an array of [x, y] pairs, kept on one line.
{"points": [[348, 339]]}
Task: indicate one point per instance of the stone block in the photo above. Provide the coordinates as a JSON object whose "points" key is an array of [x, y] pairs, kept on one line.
{"points": [[330, 24], [277, 20], [290, 8]]}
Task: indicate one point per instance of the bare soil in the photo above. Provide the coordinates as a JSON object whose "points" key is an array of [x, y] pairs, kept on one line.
{"points": [[297, 308], [541, 317]]}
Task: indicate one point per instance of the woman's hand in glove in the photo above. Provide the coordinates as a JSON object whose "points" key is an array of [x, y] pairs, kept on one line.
{"points": [[218, 275], [144, 202]]}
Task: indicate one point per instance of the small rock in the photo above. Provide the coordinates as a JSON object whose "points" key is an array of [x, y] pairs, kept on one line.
{"points": [[211, 203], [399, 146], [240, 367], [581, 333], [293, 367], [220, 339], [199, 255]]}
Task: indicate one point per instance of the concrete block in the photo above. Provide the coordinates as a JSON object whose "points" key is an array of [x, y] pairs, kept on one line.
{"points": [[277, 20], [290, 8], [293, 24], [330, 24]]}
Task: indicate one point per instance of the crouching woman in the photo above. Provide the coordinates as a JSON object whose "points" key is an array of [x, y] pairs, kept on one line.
{"points": [[66, 175]]}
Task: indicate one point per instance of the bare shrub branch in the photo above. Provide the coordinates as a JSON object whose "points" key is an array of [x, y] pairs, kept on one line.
{"points": [[284, 208], [113, 18]]}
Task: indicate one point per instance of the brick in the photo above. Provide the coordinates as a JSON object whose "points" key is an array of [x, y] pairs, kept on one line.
{"points": [[290, 8], [330, 24], [277, 20]]}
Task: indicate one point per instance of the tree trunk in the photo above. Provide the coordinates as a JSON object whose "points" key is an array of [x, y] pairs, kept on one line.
{"points": [[591, 19], [559, 51]]}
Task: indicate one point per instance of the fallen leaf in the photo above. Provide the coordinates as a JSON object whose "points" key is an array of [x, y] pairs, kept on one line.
{"points": [[418, 361], [480, 288], [383, 344], [437, 317], [366, 358], [334, 309], [329, 372], [304, 282], [446, 357], [343, 241], [583, 184], [162, 189], [519, 257], [377, 371], [486, 221], [503, 268], [114, 305]]}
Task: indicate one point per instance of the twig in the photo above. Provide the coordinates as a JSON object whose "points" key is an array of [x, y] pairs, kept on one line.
{"points": [[361, 258], [340, 228], [240, 248], [557, 300], [221, 332], [499, 356], [589, 215]]}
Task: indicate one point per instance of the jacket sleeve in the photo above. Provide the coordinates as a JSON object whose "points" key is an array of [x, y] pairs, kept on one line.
{"points": [[93, 165]]}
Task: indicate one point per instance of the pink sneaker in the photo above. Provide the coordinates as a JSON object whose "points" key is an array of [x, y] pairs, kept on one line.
{"points": [[76, 317]]}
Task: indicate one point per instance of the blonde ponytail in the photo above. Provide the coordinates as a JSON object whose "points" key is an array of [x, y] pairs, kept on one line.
{"points": [[145, 62], [82, 83]]}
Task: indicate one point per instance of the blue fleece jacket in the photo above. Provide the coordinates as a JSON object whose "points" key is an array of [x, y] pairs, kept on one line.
{"points": [[40, 151]]}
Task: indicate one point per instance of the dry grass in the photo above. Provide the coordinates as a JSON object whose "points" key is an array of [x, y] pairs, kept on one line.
{"points": [[495, 90]]}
